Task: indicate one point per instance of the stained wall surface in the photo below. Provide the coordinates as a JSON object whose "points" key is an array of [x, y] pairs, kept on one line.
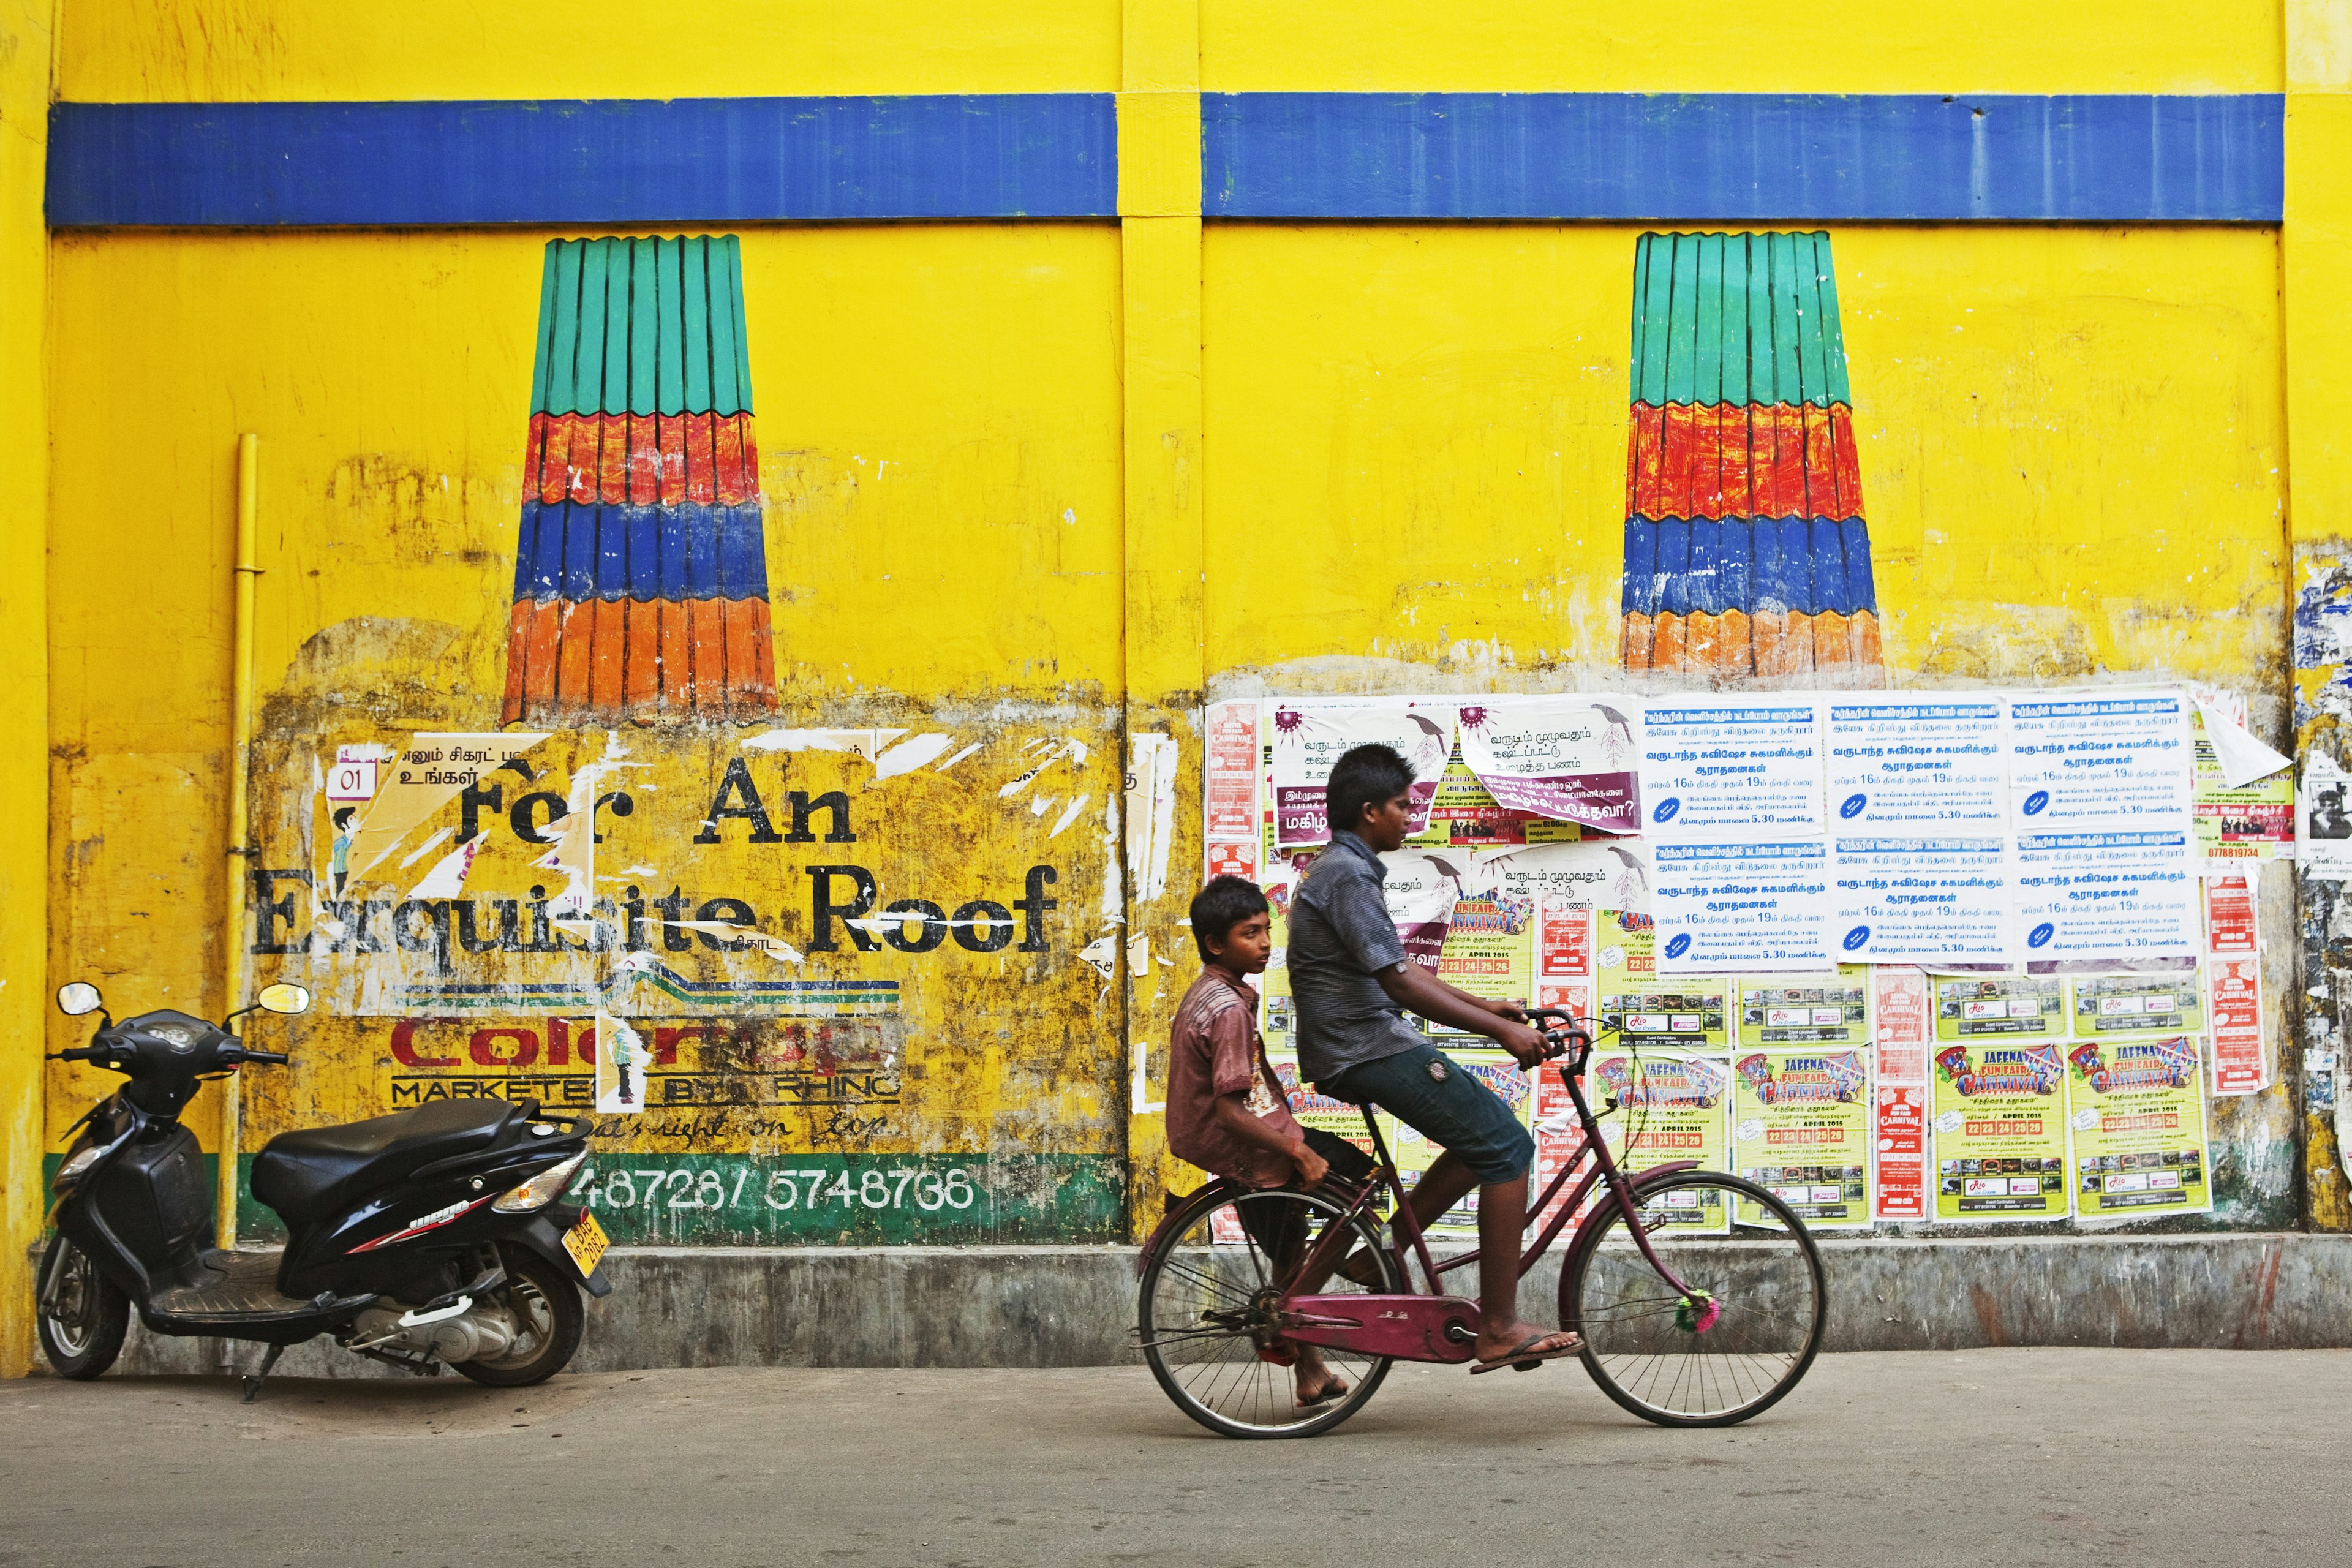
{"points": [[1037, 480]]}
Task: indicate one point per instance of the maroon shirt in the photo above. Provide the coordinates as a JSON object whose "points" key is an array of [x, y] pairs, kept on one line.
{"points": [[1215, 1053]]}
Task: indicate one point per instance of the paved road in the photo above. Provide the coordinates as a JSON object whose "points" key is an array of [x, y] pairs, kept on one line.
{"points": [[1985, 1458]]}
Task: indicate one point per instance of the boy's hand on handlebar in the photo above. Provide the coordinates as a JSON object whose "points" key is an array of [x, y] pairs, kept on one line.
{"points": [[1312, 1167], [1511, 1010], [1526, 1045]]}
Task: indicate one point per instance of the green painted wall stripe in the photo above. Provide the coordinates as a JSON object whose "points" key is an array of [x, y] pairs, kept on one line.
{"points": [[1812, 374], [570, 257], [1682, 331], [1762, 385], [1659, 311], [696, 266], [1734, 318], [616, 326], [539, 345], [670, 392], [1786, 386], [1641, 315], [645, 333], [588, 359], [723, 288], [1832, 329], [1706, 383], [742, 339]]}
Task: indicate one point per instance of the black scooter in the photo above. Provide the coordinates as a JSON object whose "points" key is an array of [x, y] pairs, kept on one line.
{"points": [[426, 1236]]}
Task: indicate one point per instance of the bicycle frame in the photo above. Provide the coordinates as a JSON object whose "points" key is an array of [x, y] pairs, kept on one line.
{"points": [[1429, 1325]]}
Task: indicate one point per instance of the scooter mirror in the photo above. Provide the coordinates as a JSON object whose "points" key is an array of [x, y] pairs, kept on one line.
{"points": [[281, 998], [77, 999]]}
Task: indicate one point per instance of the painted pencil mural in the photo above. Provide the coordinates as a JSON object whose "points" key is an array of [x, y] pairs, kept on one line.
{"points": [[641, 578], [1745, 553]]}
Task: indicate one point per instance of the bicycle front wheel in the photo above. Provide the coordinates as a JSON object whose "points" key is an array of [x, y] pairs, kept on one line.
{"points": [[1206, 1312], [1732, 1346]]}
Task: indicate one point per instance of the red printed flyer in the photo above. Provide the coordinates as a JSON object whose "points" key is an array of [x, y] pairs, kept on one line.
{"points": [[1900, 998], [1232, 766], [2229, 916], [2235, 1007], [1567, 950], [1900, 1128]]}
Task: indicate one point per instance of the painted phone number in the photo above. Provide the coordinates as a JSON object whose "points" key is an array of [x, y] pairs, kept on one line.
{"points": [[641, 1188]]}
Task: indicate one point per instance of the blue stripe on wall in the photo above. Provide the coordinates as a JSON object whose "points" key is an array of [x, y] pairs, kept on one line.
{"points": [[610, 162], [1746, 158]]}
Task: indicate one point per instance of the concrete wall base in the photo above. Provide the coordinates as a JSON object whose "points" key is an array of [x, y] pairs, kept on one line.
{"points": [[1071, 1305]]}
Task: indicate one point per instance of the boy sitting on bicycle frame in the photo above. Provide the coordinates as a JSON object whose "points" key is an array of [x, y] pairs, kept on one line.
{"points": [[1227, 1112], [1351, 983]]}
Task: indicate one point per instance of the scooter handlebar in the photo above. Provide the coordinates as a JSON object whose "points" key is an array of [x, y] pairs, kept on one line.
{"points": [[277, 1058]]}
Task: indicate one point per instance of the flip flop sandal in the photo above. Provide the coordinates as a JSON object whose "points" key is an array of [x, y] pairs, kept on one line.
{"points": [[1337, 1390], [1517, 1360]]}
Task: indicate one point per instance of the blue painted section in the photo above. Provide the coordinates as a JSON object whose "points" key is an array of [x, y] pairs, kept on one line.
{"points": [[1744, 157], [617, 161], [583, 550]]}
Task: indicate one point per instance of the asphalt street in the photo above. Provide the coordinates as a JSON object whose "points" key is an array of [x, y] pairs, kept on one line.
{"points": [[2019, 1457]]}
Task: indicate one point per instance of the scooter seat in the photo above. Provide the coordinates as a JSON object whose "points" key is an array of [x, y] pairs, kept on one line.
{"points": [[306, 1176]]}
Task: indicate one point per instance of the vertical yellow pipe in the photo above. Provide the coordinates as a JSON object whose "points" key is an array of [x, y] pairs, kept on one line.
{"points": [[233, 866]]}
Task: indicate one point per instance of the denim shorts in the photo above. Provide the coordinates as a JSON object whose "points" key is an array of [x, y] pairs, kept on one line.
{"points": [[1430, 1092]]}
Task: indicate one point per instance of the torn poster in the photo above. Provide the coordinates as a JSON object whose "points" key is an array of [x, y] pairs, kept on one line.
{"points": [[1420, 888], [1559, 757], [2250, 820], [1754, 907], [1604, 873], [1915, 765], [2323, 819], [1714, 769], [1309, 738]]}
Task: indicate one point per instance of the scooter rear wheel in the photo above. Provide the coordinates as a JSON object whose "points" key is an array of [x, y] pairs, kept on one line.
{"points": [[81, 1327], [545, 1303]]}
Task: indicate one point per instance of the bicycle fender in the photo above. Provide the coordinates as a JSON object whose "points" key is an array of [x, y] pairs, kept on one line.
{"points": [[1220, 1188]]}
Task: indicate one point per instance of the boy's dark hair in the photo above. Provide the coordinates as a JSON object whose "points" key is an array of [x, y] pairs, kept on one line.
{"points": [[1224, 904], [344, 814], [1366, 775]]}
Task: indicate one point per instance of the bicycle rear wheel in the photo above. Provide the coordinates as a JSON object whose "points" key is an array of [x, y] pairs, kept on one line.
{"points": [[1734, 1347], [1205, 1312]]}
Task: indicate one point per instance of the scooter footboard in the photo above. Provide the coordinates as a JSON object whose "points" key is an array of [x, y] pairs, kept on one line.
{"points": [[1408, 1328]]}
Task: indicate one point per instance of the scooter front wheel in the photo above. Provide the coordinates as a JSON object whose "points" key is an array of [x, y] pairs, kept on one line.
{"points": [[544, 1302], [82, 1316]]}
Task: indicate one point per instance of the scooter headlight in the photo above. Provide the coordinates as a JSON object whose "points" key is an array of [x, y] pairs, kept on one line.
{"points": [[541, 1190], [78, 1163]]}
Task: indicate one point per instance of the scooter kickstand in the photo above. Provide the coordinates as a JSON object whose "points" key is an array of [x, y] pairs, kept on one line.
{"points": [[253, 1380]]}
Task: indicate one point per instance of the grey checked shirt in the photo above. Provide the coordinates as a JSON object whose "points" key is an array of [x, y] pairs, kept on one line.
{"points": [[1340, 939]]}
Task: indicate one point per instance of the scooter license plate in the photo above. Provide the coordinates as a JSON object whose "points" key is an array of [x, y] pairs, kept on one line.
{"points": [[586, 1242]]}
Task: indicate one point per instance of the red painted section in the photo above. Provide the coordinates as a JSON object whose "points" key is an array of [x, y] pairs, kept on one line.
{"points": [[1846, 462], [727, 443], [671, 436], [1788, 469], [645, 460], [745, 423], [751, 677], [607, 665], [1821, 478], [553, 477], [701, 484], [1634, 641], [1647, 462], [1676, 500], [613, 471], [1732, 440], [706, 652], [574, 652]]}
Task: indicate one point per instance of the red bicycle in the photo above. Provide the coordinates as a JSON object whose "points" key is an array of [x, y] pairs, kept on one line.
{"points": [[1680, 1328]]}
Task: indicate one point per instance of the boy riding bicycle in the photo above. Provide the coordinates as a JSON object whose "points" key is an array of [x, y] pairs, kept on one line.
{"points": [[1352, 985]]}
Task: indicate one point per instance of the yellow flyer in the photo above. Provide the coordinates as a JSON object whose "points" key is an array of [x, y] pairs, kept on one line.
{"points": [[2000, 1007], [2136, 1108], [2001, 1131], [1489, 950], [1686, 1013], [1800, 1127], [2170, 1003], [1414, 1154], [2253, 822], [1670, 1107], [1782, 1012]]}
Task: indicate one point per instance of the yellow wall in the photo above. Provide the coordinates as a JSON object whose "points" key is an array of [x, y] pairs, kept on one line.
{"points": [[1076, 474], [2072, 451]]}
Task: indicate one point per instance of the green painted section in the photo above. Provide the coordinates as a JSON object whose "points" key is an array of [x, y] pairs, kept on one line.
{"points": [[670, 288], [1734, 318], [564, 344], [644, 327], [616, 325], [550, 267], [1642, 249], [1812, 375], [697, 264], [1682, 323], [1832, 326], [1785, 385], [1706, 383], [1657, 311], [588, 357], [724, 284], [742, 340]]}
